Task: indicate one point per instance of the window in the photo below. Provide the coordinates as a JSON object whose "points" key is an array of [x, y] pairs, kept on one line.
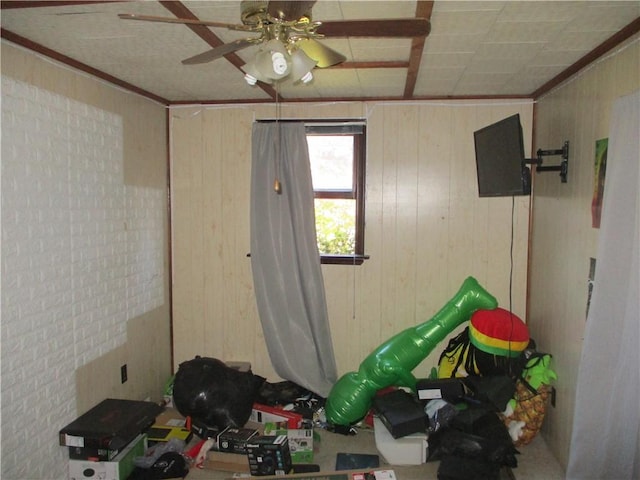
{"points": [[337, 156]]}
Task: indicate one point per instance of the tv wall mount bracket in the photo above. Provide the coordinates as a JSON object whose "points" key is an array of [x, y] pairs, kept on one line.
{"points": [[563, 168]]}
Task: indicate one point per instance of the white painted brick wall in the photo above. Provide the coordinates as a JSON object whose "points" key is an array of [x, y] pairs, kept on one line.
{"points": [[81, 254]]}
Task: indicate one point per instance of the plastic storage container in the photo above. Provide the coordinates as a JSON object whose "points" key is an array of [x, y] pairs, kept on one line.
{"points": [[409, 450]]}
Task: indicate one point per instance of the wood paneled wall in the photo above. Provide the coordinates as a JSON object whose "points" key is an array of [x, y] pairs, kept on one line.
{"points": [[563, 240], [426, 228]]}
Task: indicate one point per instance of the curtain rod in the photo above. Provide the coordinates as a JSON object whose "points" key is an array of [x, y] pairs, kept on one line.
{"points": [[315, 122]]}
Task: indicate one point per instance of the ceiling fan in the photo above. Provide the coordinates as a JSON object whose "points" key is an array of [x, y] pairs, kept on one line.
{"points": [[288, 37]]}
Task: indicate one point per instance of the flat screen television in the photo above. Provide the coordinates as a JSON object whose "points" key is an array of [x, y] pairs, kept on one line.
{"points": [[500, 162]]}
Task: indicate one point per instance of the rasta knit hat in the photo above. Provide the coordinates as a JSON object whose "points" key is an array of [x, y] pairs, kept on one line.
{"points": [[498, 332]]}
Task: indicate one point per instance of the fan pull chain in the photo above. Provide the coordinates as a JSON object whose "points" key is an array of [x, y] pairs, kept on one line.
{"points": [[277, 186], [353, 307]]}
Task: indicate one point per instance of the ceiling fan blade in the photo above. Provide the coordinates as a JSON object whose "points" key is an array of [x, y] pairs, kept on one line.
{"points": [[289, 11], [325, 56], [218, 52], [398, 27], [184, 21]]}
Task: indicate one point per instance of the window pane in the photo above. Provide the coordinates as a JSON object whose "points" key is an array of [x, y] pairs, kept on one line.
{"points": [[336, 226], [331, 160]]}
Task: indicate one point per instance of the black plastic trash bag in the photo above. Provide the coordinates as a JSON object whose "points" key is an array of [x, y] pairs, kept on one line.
{"points": [[282, 393], [220, 396], [461, 468], [468, 445], [440, 414], [475, 434], [290, 396], [492, 392], [497, 445]]}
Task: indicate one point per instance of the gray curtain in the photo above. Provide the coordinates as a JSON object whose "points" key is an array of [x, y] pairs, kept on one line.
{"points": [[606, 421], [285, 262]]}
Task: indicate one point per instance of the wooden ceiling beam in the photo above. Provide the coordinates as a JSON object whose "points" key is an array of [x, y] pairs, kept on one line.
{"points": [[374, 64], [610, 43], [41, 49], [205, 33], [8, 4], [424, 9]]}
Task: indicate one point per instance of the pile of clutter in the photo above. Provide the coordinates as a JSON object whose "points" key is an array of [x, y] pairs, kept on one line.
{"points": [[239, 419], [488, 396], [110, 439]]}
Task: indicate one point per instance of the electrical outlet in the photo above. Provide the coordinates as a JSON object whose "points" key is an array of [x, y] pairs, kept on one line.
{"points": [[123, 373]]}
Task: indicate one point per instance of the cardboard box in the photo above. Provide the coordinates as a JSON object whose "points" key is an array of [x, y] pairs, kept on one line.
{"points": [[118, 469], [204, 430], [234, 440], [169, 424], [93, 454], [281, 418], [300, 442], [269, 455], [408, 450], [227, 462]]}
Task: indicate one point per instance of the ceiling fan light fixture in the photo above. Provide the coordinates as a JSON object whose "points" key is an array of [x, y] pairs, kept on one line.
{"points": [[280, 60], [279, 63], [271, 63], [306, 78], [301, 66], [250, 79], [252, 74]]}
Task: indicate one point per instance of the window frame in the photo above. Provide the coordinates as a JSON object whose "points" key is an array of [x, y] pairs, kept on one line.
{"points": [[357, 129]]}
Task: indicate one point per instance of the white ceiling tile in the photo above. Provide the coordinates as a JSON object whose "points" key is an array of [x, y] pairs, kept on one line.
{"points": [[580, 41], [450, 74], [467, 6], [542, 11], [464, 23], [435, 60], [494, 65], [434, 87], [475, 47], [290, 90], [481, 82], [382, 82], [218, 11], [363, 9], [381, 76], [606, 18], [327, 10], [556, 57], [383, 50], [461, 43], [523, 32], [517, 52]]}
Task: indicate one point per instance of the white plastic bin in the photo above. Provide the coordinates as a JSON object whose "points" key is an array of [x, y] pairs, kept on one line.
{"points": [[409, 450]]}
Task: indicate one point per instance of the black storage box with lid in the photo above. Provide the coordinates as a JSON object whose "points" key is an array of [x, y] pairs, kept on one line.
{"points": [[111, 425], [401, 413], [448, 389]]}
